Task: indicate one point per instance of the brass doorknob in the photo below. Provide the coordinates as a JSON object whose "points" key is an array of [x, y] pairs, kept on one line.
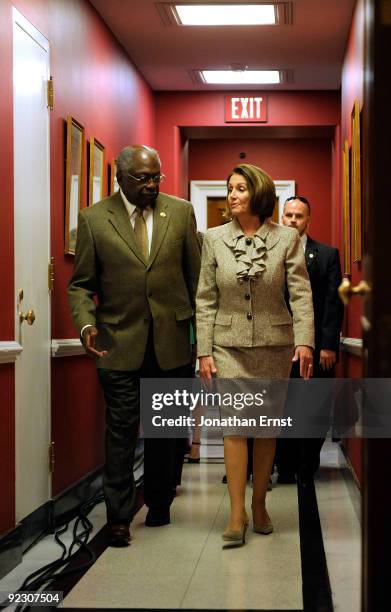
{"points": [[346, 291], [28, 316]]}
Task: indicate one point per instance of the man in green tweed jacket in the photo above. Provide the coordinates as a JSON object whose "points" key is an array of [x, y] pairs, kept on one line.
{"points": [[132, 298]]}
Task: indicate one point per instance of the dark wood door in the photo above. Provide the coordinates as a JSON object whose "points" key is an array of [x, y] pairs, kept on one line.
{"points": [[377, 306]]}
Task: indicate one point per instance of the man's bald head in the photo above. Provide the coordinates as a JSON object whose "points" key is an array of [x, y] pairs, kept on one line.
{"points": [[134, 154]]}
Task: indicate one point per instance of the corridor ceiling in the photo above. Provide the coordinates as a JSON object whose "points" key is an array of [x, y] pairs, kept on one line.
{"points": [[312, 47]]}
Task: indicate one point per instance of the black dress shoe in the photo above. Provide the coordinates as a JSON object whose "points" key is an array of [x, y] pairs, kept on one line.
{"points": [[157, 518], [118, 535]]}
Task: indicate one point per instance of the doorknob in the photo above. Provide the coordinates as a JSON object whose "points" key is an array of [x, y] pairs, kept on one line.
{"points": [[346, 291], [28, 316]]}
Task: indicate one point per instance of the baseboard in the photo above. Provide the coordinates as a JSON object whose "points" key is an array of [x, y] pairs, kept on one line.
{"points": [[11, 550], [46, 519], [66, 505]]}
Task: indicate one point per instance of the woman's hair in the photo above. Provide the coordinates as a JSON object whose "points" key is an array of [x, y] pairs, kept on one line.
{"points": [[261, 188]]}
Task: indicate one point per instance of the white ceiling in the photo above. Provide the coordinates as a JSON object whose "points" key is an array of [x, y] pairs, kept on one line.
{"points": [[312, 47]]}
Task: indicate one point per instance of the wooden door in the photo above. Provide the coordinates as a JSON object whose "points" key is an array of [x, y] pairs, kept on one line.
{"points": [[376, 524]]}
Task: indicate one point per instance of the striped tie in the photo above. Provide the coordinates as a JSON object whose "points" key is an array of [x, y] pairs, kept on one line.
{"points": [[140, 229]]}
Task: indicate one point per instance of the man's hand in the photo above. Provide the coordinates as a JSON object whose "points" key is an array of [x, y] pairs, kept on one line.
{"points": [[304, 354], [327, 359], [88, 338], [207, 369]]}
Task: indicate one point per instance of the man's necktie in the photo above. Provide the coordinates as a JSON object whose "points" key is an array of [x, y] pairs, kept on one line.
{"points": [[140, 229]]}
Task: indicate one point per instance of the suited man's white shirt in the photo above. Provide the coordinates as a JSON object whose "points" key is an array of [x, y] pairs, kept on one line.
{"points": [[303, 240], [147, 214]]}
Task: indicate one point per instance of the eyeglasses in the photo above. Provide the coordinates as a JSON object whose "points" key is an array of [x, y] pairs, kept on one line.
{"points": [[147, 178], [297, 197]]}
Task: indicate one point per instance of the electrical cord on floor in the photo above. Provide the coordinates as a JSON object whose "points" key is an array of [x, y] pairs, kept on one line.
{"points": [[47, 575]]}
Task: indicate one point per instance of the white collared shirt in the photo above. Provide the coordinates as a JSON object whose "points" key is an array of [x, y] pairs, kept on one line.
{"points": [[303, 240], [132, 212]]}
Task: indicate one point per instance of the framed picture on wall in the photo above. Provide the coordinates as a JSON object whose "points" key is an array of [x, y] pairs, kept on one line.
{"points": [[356, 182], [346, 206], [96, 172], [113, 177], [74, 179]]}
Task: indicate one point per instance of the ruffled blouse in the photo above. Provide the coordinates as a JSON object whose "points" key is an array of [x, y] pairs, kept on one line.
{"points": [[249, 251]]}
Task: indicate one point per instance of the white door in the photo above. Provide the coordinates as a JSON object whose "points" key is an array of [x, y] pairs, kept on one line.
{"points": [[31, 218]]}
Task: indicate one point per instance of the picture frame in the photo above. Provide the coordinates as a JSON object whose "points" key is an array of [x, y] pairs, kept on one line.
{"points": [[356, 183], [74, 181], [114, 187], [96, 190], [346, 207]]}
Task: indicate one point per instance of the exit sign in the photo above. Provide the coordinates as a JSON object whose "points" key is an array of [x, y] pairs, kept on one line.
{"points": [[245, 109]]}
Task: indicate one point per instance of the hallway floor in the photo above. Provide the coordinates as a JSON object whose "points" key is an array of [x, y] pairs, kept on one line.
{"points": [[183, 565]]}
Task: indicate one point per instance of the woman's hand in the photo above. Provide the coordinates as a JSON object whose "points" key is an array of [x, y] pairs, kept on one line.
{"points": [[207, 369], [304, 353]]}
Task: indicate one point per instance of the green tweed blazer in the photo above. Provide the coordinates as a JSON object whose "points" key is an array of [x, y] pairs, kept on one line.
{"points": [[242, 313], [115, 289]]}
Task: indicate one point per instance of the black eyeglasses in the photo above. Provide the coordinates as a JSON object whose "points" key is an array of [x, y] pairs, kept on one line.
{"points": [[297, 197], [147, 178]]}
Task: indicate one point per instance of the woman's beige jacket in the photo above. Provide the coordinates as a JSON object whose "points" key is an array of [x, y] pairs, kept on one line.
{"points": [[234, 309]]}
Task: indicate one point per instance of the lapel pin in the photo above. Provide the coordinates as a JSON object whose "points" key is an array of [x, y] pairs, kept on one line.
{"points": [[163, 214], [311, 255]]}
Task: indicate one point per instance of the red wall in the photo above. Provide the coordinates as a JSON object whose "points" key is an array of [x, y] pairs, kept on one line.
{"points": [[307, 161], [177, 110], [94, 81]]}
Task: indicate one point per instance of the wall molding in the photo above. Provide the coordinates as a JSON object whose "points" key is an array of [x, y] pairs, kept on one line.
{"points": [[9, 351], [67, 347], [353, 346]]}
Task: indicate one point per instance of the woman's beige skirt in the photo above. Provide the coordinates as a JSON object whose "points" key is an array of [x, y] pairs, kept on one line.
{"points": [[261, 373]]}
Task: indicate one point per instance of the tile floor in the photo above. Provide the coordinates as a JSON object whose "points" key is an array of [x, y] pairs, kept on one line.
{"points": [[182, 565]]}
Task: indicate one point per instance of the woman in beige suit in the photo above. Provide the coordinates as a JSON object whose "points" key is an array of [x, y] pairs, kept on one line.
{"points": [[244, 329]]}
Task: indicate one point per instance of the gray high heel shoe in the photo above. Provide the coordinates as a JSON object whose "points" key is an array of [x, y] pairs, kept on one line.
{"points": [[236, 538], [264, 529]]}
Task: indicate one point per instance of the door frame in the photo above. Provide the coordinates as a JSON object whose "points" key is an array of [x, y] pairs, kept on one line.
{"points": [[200, 191]]}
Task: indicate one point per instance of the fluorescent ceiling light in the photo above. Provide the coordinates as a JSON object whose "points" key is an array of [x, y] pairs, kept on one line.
{"points": [[243, 77], [226, 14]]}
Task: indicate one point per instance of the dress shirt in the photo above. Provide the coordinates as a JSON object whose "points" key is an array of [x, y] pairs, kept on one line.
{"points": [[147, 214], [303, 240]]}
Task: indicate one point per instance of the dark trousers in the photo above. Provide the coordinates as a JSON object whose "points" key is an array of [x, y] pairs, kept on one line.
{"points": [[163, 458], [301, 455]]}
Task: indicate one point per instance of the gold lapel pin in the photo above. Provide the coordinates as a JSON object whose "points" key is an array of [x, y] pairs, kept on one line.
{"points": [[163, 214]]}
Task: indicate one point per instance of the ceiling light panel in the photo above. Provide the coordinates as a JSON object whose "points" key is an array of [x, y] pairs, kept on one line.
{"points": [[226, 14], [246, 77]]}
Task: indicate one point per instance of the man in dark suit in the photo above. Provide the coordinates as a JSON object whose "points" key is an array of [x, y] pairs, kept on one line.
{"points": [[324, 269], [132, 296]]}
